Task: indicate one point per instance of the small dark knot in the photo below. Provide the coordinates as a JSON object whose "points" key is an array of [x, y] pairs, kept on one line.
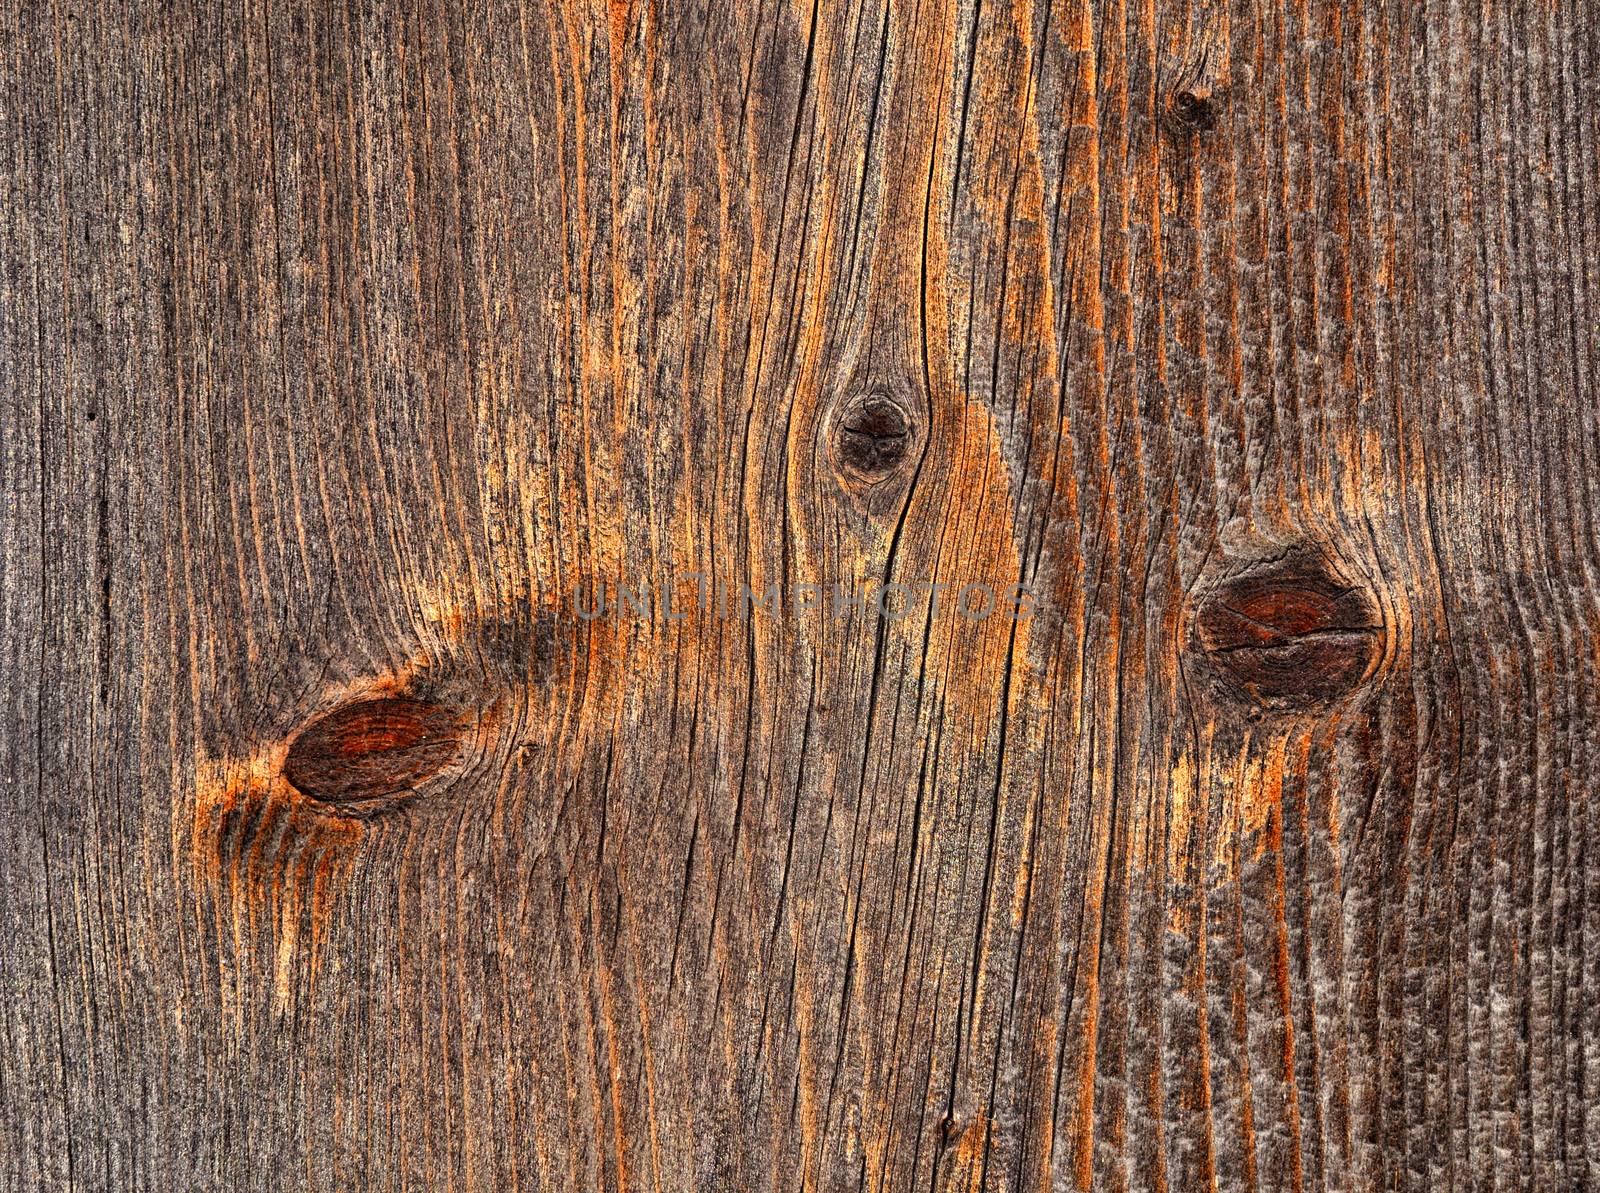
{"points": [[373, 752], [1193, 113], [874, 435], [1289, 633]]}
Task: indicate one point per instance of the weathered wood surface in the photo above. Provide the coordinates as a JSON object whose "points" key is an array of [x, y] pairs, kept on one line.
{"points": [[344, 344]]}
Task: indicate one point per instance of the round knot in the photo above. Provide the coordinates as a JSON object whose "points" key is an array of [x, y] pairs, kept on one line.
{"points": [[1289, 633], [873, 435], [1192, 113]]}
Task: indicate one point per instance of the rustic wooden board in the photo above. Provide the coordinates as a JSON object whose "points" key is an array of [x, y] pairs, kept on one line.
{"points": [[344, 348]]}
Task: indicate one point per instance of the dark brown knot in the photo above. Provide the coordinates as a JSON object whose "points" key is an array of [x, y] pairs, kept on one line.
{"points": [[1289, 632], [372, 753], [1190, 112], [873, 436]]}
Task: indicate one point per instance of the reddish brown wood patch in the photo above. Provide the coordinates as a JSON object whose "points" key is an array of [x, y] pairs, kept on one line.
{"points": [[373, 751], [1289, 632]]}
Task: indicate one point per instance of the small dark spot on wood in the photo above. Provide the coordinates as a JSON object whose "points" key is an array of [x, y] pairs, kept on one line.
{"points": [[1289, 633], [372, 753], [1192, 113], [874, 435]]}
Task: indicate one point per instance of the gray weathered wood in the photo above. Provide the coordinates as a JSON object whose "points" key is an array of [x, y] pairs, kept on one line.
{"points": [[344, 348]]}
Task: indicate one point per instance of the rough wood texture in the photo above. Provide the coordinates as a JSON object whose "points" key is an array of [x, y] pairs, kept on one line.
{"points": [[344, 348]]}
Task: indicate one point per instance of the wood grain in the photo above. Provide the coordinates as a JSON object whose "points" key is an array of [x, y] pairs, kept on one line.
{"points": [[344, 348]]}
